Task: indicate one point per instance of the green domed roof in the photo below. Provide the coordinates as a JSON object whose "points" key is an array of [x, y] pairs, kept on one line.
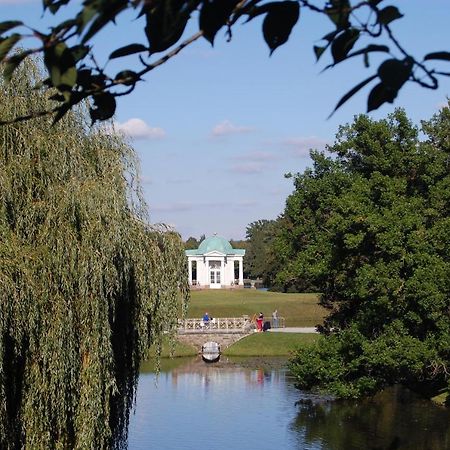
{"points": [[215, 243]]}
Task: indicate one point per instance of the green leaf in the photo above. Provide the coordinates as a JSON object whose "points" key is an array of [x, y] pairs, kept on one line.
{"points": [[54, 5], [279, 22], [380, 94], [369, 49], [395, 72], [60, 64], [84, 78], [8, 25], [330, 36], [85, 16], [12, 63], [127, 77], [318, 51], [127, 50], [338, 12], [352, 92], [8, 43], [106, 11], [363, 51], [444, 56], [256, 11], [343, 43], [79, 51], [214, 15], [105, 107], [388, 15], [166, 23]]}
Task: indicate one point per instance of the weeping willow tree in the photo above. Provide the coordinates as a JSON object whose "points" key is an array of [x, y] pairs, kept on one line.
{"points": [[85, 285]]}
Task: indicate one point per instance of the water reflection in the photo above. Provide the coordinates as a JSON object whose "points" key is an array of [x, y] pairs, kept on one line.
{"points": [[198, 405], [394, 419], [194, 405]]}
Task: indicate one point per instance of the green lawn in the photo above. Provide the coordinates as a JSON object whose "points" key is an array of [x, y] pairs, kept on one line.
{"points": [[176, 349], [298, 309], [270, 344], [257, 344]]}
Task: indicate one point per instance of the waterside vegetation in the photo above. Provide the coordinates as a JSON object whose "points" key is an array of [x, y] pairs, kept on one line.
{"points": [[369, 225], [86, 285]]}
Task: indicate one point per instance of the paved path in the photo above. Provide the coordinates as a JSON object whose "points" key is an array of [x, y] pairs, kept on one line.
{"points": [[294, 330]]}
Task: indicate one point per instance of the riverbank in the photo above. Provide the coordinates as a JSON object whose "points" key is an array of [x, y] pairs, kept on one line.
{"points": [[256, 345], [270, 344]]}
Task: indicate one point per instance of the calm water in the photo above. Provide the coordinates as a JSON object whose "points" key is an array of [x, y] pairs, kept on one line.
{"points": [[199, 406]]}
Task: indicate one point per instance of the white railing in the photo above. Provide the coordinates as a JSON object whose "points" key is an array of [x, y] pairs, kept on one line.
{"points": [[218, 324], [222, 324]]}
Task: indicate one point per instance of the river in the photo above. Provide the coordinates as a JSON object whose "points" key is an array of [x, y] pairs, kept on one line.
{"points": [[192, 405]]}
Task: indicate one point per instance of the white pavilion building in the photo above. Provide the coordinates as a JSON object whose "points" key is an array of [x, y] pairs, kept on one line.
{"points": [[216, 264]]}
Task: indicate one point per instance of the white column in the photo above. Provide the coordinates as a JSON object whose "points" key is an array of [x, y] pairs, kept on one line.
{"points": [[206, 275], [241, 272], [190, 270]]}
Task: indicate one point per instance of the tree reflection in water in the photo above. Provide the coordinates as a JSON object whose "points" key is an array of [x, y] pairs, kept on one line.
{"points": [[395, 419]]}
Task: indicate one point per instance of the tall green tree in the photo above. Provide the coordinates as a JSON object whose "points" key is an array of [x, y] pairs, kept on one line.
{"points": [[86, 284], [353, 30], [260, 261], [191, 243], [370, 227]]}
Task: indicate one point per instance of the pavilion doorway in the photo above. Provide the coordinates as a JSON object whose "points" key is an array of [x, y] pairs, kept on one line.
{"points": [[215, 269]]}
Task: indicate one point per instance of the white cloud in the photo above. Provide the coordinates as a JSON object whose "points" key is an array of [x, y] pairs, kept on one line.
{"points": [[138, 129], [226, 128], [302, 145]]}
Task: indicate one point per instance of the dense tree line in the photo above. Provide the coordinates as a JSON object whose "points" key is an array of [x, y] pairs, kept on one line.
{"points": [[368, 226], [260, 261], [86, 284], [193, 243]]}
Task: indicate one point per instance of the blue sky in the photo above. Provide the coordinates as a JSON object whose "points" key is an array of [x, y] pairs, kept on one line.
{"points": [[217, 128]]}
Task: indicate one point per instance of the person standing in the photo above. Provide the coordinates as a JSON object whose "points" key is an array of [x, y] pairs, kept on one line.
{"points": [[205, 320], [259, 321], [275, 319]]}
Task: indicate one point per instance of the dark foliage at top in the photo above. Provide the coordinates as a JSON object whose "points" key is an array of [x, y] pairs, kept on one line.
{"points": [[74, 75]]}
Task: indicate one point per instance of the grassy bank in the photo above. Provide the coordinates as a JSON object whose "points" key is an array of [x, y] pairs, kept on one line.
{"points": [[298, 309], [175, 349], [257, 344], [270, 344]]}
